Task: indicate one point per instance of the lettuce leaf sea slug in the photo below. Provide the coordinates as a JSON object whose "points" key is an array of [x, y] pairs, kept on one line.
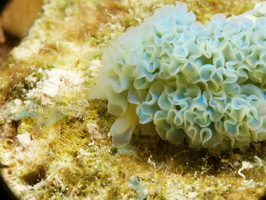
{"points": [[200, 83]]}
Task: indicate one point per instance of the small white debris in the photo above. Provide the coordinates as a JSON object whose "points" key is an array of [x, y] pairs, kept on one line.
{"points": [[245, 165]]}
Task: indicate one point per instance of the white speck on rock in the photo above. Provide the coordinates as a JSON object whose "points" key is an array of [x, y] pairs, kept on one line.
{"points": [[245, 165], [56, 82]]}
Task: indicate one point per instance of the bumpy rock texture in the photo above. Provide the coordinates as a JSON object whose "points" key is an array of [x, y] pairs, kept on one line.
{"points": [[204, 84], [54, 142]]}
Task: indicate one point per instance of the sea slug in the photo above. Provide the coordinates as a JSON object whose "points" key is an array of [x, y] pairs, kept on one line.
{"points": [[199, 83]]}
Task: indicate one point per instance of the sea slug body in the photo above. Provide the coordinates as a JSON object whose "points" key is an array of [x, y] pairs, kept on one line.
{"points": [[200, 83]]}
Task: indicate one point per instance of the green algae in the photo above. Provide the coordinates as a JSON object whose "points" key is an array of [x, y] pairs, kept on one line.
{"points": [[58, 147]]}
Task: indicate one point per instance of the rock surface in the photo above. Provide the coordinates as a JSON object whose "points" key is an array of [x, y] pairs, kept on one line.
{"points": [[54, 141]]}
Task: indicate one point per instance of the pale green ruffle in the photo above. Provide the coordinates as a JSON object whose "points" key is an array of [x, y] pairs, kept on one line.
{"points": [[202, 83]]}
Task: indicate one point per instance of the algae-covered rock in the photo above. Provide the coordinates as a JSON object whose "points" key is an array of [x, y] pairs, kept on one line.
{"points": [[54, 141]]}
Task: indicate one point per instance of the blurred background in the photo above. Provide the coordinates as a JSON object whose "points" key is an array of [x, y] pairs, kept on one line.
{"points": [[16, 18]]}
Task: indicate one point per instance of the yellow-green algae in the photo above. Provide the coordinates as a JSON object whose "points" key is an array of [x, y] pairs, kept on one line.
{"points": [[55, 145]]}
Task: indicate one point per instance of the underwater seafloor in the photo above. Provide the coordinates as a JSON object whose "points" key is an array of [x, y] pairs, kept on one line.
{"points": [[54, 141]]}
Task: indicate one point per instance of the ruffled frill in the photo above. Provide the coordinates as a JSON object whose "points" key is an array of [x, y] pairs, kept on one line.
{"points": [[201, 83]]}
